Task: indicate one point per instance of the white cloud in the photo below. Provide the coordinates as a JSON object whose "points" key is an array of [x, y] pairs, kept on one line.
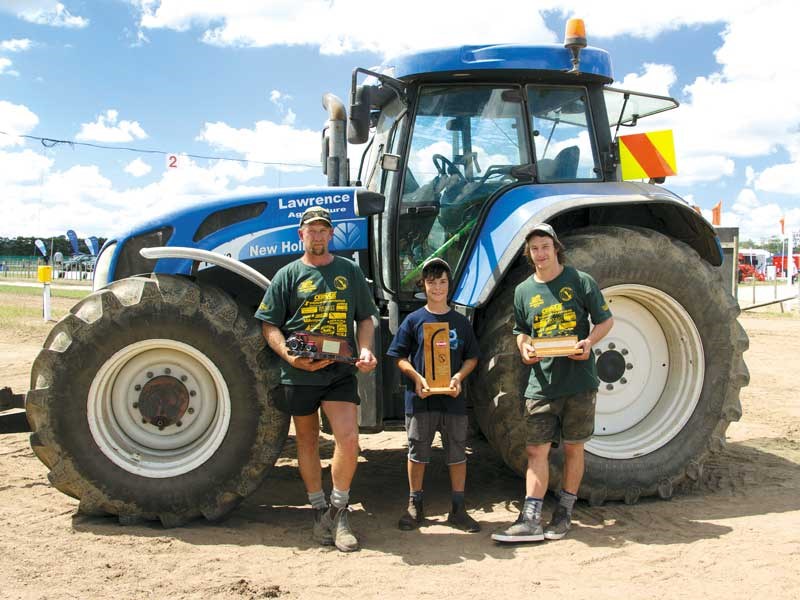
{"points": [[138, 168], [5, 65], [344, 26], [48, 202], [15, 45], [23, 167], [107, 129], [756, 219], [43, 12], [654, 79], [280, 99], [266, 142], [15, 119]]}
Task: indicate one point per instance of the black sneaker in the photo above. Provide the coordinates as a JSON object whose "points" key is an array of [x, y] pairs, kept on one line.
{"points": [[322, 527], [413, 517], [343, 537], [522, 530], [461, 519], [559, 525]]}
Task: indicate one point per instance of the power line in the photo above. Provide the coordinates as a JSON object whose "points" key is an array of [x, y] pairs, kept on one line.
{"points": [[52, 142]]}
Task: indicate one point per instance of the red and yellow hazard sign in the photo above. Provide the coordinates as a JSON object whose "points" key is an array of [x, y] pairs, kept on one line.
{"points": [[645, 155]]}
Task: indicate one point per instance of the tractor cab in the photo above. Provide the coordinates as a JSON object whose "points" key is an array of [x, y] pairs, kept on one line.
{"points": [[448, 131]]}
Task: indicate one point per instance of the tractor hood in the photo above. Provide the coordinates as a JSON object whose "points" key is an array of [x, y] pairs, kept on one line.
{"points": [[244, 228]]}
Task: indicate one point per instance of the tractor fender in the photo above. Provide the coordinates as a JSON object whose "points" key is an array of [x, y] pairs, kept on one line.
{"points": [[214, 258], [505, 222]]}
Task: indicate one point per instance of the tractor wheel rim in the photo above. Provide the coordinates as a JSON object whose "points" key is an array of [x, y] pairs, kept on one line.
{"points": [[652, 369], [164, 439]]}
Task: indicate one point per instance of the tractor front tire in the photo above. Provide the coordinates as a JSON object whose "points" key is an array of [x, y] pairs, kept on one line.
{"points": [[151, 401], [670, 369]]}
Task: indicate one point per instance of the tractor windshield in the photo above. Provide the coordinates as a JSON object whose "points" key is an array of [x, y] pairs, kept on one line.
{"points": [[465, 142]]}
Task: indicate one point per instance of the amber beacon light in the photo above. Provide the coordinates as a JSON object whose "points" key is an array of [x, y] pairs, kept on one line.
{"points": [[575, 40]]}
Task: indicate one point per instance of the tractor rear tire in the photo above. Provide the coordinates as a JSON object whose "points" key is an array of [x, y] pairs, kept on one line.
{"points": [[672, 366], [151, 400]]}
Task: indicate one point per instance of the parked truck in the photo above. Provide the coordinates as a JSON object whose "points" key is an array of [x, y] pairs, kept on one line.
{"points": [[153, 398]]}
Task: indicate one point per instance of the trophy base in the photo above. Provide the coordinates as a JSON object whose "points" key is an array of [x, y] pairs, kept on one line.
{"points": [[443, 391]]}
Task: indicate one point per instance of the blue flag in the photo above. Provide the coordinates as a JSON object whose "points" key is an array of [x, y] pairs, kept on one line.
{"points": [[41, 247], [92, 243], [73, 240]]}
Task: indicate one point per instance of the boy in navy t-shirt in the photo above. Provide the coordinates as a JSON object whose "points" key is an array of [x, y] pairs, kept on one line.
{"points": [[427, 413]]}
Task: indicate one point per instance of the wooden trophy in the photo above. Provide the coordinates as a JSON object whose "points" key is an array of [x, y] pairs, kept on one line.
{"points": [[436, 338], [556, 346]]}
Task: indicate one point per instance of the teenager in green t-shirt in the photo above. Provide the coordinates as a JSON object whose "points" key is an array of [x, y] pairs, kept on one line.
{"points": [[560, 398], [322, 293]]}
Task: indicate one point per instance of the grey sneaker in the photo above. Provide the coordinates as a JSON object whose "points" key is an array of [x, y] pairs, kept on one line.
{"points": [[343, 537], [559, 525], [461, 519], [322, 527], [413, 517], [522, 530]]}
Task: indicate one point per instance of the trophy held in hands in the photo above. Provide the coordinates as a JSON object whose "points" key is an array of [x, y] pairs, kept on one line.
{"points": [[436, 338], [320, 347]]}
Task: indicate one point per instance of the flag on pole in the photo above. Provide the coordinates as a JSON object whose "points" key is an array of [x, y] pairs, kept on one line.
{"points": [[41, 247], [73, 241], [782, 222], [716, 214]]}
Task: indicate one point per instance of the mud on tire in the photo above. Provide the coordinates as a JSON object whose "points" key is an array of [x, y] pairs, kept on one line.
{"points": [[94, 421], [682, 366]]}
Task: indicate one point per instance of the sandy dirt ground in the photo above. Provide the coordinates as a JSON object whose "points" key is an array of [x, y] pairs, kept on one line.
{"points": [[735, 536]]}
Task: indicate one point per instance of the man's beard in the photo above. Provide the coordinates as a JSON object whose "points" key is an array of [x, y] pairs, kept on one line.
{"points": [[317, 250]]}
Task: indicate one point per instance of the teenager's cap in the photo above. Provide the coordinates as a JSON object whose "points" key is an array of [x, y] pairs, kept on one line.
{"points": [[432, 262], [316, 213], [544, 229]]}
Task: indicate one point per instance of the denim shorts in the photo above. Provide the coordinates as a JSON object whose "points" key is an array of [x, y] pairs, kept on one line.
{"points": [[422, 427], [567, 418]]}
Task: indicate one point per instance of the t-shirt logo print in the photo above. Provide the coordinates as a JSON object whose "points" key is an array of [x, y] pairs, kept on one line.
{"points": [[340, 282], [566, 294], [307, 286]]}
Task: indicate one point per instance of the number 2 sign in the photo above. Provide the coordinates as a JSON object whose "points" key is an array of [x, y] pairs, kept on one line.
{"points": [[172, 161]]}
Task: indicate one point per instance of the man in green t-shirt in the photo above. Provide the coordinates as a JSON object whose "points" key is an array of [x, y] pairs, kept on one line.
{"points": [[322, 294], [560, 398]]}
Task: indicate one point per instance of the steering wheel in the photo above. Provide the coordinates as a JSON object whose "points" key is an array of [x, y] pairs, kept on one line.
{"points": [[445, 166]]}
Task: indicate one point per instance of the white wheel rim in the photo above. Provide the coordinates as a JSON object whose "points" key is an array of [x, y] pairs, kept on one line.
{"points": [[116, 423], [664, 368]]}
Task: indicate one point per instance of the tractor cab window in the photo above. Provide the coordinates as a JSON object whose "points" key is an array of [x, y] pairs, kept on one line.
{"points": [[562, 137], [387, 134], [465, 142]]}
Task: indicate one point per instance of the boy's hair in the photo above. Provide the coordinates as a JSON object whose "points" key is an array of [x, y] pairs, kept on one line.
{"points": [[433, 269]]}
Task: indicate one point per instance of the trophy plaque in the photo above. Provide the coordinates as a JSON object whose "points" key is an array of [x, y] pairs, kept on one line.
{"points": [[556, 346], [320, 347], [436, 337]]}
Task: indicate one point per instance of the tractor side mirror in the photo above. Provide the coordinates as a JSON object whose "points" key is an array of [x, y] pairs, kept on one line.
{"points": [[358, 120], [369, 203]]}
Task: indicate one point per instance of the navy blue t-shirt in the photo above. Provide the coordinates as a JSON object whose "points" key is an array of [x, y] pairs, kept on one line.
{"points": [[408, 344]]}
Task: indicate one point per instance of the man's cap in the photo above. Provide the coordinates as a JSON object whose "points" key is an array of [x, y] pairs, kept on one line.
{"points": [[544, 229], [432, 262], [316, 213]]}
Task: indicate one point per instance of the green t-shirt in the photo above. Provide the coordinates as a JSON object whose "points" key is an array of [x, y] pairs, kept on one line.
{"points": [[560, 307], [324, 300]]}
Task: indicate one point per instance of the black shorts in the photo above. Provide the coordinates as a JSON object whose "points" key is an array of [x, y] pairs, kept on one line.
{"points": [[302, 400]]}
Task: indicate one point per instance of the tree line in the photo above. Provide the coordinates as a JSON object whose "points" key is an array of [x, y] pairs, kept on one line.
{"points": [[23, 246]]}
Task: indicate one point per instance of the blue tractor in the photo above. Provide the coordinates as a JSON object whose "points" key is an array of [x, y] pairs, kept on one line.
{"points": [[153, 398]]}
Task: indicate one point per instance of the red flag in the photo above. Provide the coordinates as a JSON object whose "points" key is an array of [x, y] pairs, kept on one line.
{"points": [[716, 214], [783, 219]]}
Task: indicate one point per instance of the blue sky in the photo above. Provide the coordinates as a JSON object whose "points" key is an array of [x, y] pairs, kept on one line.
{"points": [[244, 79]]}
